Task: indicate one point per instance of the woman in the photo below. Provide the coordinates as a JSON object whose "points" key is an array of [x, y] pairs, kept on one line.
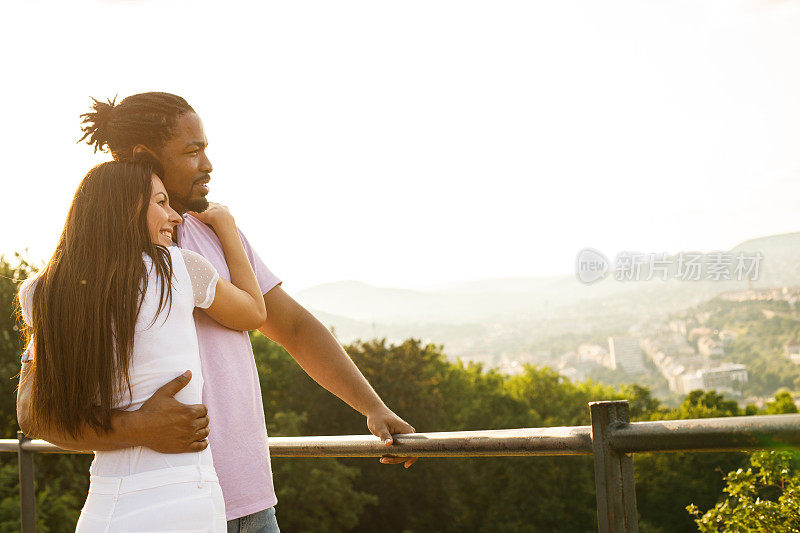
{"points": [[111, 317]]}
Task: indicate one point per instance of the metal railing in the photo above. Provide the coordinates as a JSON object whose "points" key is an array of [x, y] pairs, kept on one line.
{"points": [[611, 439]]}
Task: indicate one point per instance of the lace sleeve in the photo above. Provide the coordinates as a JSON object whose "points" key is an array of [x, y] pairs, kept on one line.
{"points": [[26, 298], [26, 304], [204, 278]]}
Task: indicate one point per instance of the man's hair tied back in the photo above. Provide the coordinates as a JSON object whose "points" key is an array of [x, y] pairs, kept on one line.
{"points": [[95, 124]]}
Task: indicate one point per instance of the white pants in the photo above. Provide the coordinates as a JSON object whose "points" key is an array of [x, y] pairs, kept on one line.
{"points": [[186, 499]]}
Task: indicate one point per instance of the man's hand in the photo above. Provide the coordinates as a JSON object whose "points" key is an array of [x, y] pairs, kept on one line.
{"points": [[383, 423], [169, 426]]}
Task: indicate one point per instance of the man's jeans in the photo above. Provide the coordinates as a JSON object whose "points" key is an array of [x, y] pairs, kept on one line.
{"points": [[260, 522]]}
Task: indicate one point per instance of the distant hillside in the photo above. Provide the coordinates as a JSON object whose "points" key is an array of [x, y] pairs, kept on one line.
{"points": [[364, 302], [506, 315], [781, 263]]}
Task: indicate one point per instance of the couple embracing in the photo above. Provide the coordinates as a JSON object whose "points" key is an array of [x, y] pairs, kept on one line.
{"points": [[139, 348]]}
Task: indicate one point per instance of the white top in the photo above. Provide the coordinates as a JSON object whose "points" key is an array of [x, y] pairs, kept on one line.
{"points": [[164, 347]]}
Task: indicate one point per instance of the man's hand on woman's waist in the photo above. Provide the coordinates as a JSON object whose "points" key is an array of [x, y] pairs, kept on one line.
{"points": [[166, 425]]}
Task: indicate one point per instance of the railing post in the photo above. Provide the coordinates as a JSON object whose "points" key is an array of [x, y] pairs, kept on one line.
{"points": [[613, 472], [27, 492]]}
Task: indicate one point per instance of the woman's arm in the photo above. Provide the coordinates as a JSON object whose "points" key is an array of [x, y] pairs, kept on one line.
{"points": [[238, 304]]}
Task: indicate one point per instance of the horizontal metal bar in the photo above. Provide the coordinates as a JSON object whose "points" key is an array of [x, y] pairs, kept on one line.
{"points": [[38, 446], [42, 446], [9, 445], [704, 434], [709, 434], [505, 442], [575, 440]]}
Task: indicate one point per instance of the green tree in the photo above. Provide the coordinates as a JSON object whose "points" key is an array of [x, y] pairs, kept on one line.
{"points": [[666, 483], [762, 498], [783, 404]]}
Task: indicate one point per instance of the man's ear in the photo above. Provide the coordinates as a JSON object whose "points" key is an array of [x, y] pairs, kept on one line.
{"points": [[142, 149]]}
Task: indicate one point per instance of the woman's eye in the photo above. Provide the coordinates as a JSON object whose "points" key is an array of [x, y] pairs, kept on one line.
{"points": [[162, 202]]}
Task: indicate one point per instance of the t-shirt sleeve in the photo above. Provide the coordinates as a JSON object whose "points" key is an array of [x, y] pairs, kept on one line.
{"points": [[266, 279], [204, 278]]}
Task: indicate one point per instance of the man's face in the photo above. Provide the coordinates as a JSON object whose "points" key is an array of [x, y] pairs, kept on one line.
{"points": [[186, 166]]}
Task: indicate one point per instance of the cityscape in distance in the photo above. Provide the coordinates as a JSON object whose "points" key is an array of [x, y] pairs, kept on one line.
{"points": [[633, 331]]}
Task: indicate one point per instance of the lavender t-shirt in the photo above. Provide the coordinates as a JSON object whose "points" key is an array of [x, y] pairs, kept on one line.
{"points": [[238, 437]]}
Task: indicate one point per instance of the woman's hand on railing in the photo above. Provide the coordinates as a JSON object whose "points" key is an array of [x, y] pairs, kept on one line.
{"points": [[383, 423]]}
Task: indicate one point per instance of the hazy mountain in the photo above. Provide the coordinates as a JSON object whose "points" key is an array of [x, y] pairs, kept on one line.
{"points": [[354, 299], [781, 263]]}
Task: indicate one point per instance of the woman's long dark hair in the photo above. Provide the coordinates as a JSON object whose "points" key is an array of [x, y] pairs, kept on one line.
{"points": [[87, 299]]}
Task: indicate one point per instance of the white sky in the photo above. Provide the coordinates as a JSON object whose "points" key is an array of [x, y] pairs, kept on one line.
{"points": [[412, 143]]}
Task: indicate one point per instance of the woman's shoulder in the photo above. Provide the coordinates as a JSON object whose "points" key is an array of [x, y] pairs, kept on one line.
{"points": [[175, 250], [177, 256]]}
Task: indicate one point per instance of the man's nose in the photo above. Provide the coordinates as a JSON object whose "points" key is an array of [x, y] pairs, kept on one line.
{"points": [[205, 164]]}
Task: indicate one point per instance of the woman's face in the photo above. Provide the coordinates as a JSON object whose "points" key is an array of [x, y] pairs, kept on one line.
{"points": [[161, 218]]}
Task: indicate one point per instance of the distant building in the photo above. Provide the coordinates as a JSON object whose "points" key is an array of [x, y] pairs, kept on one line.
{"points": [[679, 372], [726, 377], [675, 344], [696, 333], [678, 326], [594, 353], [686, 383], [626, 354]]}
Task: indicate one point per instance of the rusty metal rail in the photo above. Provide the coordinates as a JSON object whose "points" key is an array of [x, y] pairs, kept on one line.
{"points": [[709, 434], [611, 439]]}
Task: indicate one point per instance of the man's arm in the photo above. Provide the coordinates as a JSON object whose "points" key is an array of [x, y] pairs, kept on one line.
{"points": [[161, 423], [317, 351]]}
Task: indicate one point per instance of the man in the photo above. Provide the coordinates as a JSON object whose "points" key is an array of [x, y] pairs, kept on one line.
{"points": [[165, 127]]}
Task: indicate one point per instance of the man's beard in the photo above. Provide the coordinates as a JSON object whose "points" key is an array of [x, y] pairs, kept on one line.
{"points": [[198, 205]]}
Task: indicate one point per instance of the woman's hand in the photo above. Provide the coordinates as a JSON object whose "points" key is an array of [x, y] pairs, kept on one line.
{"points": [[217, 216], [383, 423]]}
